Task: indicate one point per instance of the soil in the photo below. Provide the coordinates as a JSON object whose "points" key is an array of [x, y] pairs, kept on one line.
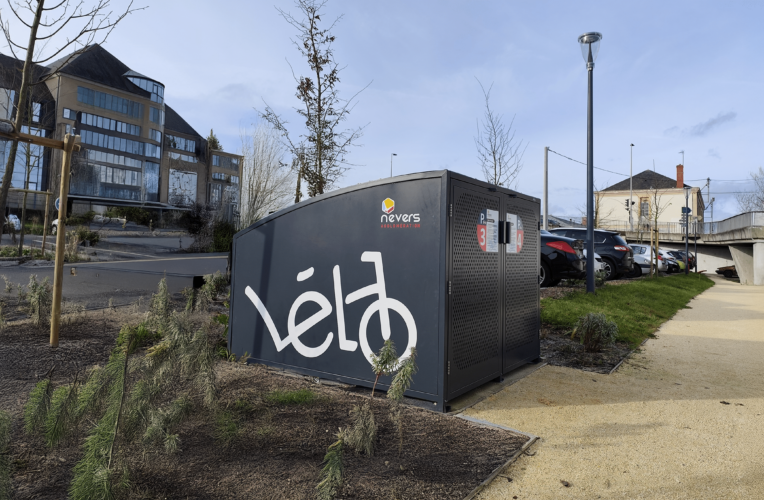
{"points": [[278, 449], [557, 348]]}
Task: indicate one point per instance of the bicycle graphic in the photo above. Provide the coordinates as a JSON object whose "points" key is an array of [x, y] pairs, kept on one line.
{"points": [[383, 305]]}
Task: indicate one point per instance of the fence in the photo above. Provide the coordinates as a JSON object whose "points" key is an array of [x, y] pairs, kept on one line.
{"points": [[740, 221]]}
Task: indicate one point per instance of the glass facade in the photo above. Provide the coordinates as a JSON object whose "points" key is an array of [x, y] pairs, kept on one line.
{"points": [[70, 114], [180, 143], [6, 103], [151, 181], [29, 159], [110, 102], [156, 115], [225, 162], [114, 175], [155, 135], [106, 123], [178, 156], [156, 89], [112, 158], [235, 179], [119, 144], [219, 176], [216, 194]]}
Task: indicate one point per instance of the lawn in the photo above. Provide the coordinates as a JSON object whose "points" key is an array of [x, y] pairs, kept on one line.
{"points": [[638, 308]]}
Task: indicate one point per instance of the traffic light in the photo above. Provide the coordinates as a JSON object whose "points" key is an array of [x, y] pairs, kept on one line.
{"points": [[627, 203]]}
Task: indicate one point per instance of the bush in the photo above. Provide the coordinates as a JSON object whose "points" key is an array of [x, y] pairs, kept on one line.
{"points": [[222, 236], [85, 234], [80, 219], [196, 219], [595, 331], [138, 215]]}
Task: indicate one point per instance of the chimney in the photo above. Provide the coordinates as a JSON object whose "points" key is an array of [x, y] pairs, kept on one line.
{"points": [[680, 176]]}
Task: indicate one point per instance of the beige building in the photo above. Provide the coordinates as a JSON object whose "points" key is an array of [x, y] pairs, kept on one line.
{"points": [[136, 149], [650, 191]]}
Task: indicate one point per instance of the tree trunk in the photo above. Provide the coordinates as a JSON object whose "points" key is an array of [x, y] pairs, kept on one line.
{"points": [[26, 77]]}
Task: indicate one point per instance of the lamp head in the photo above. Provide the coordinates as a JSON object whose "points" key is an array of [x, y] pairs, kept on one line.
{"points": [[687, 190], [590, 47]]}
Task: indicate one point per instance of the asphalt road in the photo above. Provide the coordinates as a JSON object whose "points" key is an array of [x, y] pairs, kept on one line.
{"points": [[93, 284]]}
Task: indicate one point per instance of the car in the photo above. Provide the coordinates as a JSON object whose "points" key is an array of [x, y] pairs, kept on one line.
{"points": [[727, 271], [642, 256], [682, 259], [599, 265], [561, 258], [615, 252]]}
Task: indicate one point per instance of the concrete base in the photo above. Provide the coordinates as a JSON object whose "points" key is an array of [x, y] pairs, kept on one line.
{"points": [[749, 263]]}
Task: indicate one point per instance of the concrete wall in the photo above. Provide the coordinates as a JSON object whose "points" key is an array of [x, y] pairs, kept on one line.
{"points": [[749, 262], [710, 257]]}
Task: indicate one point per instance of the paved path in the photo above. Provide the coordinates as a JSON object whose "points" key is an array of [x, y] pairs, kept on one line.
{"points": [[656, 428]]}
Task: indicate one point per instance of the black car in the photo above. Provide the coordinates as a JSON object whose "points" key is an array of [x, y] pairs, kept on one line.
{"points": [[561, 257], [615, 252]]}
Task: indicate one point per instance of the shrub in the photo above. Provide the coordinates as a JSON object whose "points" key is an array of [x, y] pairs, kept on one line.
{"points": [[85, 234], [222, 236], [595, 331], [40, 295], [140, 216], [80, 219], [299, 397]]}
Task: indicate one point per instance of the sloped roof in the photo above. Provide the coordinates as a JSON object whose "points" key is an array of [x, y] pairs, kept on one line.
{"points": [[645, 180], [10, 77], [98, 65], [174, 122]]}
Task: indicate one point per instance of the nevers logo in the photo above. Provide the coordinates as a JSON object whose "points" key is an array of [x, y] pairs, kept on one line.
{"points": [[391, 220], [388, 205]]}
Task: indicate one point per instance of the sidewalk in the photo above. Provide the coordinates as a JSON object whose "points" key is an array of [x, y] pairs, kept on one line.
{"points": [[655, 429]]}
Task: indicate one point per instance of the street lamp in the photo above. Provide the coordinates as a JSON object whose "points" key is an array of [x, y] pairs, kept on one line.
{"points": [[590, 46], [391, 163], [631, 164], [687, 229]]}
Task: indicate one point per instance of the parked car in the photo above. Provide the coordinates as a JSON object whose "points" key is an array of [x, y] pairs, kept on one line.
{"points": [[561, 257], [615, 252], [599, 265], [642, 256], [681, 257], [11, 221], [727, 271]]}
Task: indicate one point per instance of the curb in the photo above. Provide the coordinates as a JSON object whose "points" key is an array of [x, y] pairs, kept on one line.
{"points": [[627, 357]]}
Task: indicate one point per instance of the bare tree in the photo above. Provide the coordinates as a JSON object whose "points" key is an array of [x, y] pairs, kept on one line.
{"points": [[599, 213], [753, 201], [499, 154], [657, 207], [84, 25], [266, 183], [319, 154]]}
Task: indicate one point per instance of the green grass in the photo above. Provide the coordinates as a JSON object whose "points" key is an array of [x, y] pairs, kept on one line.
{"points": [[301, 397], [638, 308]]}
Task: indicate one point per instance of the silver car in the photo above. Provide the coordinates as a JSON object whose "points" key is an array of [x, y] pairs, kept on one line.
{"points": [[643, 254]]}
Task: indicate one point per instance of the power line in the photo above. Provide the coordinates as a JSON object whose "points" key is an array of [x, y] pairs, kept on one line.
{"points": [[582, 163], [721, 180]]}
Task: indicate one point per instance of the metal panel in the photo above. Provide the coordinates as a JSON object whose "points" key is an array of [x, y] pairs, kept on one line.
{"points": [[521, 287], [474, 344]]}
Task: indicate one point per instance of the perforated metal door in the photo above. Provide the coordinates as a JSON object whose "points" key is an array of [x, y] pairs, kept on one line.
{"points": [[475, 318], [521, 288]]}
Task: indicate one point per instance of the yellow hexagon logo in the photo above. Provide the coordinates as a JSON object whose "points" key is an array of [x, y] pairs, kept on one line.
{"points": [[388, 205]]}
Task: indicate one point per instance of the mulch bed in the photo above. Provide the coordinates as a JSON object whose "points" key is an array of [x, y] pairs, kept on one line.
{"points": [[278, 450], [557, 348]]}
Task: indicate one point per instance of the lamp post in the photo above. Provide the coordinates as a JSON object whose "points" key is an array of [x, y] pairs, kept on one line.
{"points": [[631, 164], [391, 163], [590, 46], [686, 229]]}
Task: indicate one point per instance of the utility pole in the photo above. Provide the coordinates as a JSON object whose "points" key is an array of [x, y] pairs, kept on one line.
{"points": [[546, 188], [631, 164], [391, 163]]}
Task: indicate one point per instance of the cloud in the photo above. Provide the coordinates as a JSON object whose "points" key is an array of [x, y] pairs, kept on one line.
{"points": [[714, 153], [671, 131], [702, 129]]}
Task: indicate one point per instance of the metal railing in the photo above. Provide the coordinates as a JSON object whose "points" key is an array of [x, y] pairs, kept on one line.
{"points": [[740, 221]]}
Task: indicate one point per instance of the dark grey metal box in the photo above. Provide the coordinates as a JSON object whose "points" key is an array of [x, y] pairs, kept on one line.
{"points": [[438, 261]]}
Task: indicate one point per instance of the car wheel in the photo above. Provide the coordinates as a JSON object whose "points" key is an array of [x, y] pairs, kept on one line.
{"points": [[610, 268], [636, 271], [545, 276], [728, 274]]}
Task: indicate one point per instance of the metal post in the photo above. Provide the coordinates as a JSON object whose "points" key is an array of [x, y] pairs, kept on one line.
{"points": [[546, 188], [696, 244], [631, 163], [391, 163], [590, 181], [45, 225], [58, 273], [686, 233]]}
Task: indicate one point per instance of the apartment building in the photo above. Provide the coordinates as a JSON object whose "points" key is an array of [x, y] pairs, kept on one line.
{"points": [[136, 149]]}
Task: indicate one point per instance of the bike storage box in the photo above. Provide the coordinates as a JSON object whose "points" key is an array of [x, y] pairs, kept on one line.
{"points": [[437, 261]]}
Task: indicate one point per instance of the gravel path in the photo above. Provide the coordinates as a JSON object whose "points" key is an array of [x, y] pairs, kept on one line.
{"points": [[682, 419]]}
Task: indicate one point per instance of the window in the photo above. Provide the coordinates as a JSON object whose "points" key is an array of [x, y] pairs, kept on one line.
{"points": [[6, 103], [235, 179], [216, 194], [178, 156], [175, 142], [156, 115], [151, 181], [225, 162], [69, 114], [156, 89], [112, 175], [644, 207], [105, 123], [110, 102], [36, 107], [155, 135], [103, 156], [120, 144], [218, 176]]}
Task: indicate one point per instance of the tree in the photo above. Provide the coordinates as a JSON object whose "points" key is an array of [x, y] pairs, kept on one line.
{"points": [[753, 201], [599, 213], [499, 154], [213, 141], [266, 182], [95, 24], [319, 154], [657, 207]]}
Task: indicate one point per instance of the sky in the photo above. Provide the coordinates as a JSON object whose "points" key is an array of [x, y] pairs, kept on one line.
{"points": [[670, 77]]}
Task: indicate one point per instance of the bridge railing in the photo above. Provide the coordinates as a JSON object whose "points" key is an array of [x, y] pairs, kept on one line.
{"points": [[740, 221]]}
